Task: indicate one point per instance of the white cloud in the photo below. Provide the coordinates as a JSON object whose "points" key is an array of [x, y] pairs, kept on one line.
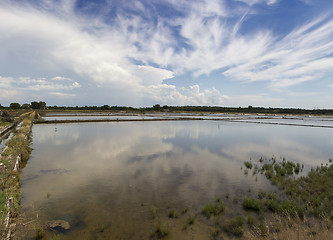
{"points": [[12, 95], [263, 100], [135, 56], [302, 55], [59, 78], [253, 2], [27, 83], [61, 94], [170, 94]]}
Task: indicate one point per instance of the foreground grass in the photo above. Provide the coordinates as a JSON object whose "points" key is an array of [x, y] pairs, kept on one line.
{"points": [[4, 124], [19, 145]]}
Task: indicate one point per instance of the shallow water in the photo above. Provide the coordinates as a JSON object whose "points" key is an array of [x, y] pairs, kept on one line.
{"points": [[4, 139], [104, 178]]}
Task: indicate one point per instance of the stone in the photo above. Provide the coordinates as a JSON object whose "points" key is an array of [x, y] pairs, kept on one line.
{"points": [[59, 225]]}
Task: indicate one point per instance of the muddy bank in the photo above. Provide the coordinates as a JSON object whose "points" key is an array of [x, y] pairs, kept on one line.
{"points": [[15, 154]]}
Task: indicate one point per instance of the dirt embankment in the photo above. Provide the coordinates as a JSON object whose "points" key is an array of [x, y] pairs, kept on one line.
{"points": [[12, 158]]}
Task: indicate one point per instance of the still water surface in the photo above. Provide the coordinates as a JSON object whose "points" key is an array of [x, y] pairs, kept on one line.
{"points": [[104, 178]]}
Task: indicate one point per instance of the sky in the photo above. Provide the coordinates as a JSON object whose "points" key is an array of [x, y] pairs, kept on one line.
{"points": [[264, 53]]}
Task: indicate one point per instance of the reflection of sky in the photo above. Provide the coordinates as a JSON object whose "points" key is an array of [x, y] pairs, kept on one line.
{"points": [[183, 162], [3, 141], [300, 120]]}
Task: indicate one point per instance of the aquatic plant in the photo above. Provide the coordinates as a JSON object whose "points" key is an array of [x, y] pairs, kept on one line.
{"points": [[56, 237], [161, 230], [209, 209], [249, 203], [173, 213], [185, 210], [234, 226], [39, 233], [154, 212], [251, 221], [191, 219], [248, 164], [261, 194]]}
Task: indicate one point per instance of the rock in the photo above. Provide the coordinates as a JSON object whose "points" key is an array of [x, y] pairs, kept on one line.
{"points": [[59, 225]]}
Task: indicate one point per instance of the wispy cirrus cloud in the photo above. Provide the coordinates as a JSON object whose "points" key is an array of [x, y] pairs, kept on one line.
{"points": [[252, 2], [305, 54]]}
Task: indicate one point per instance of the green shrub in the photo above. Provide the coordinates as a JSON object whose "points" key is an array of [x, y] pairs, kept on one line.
{"points": [[273, 205], [250, 203]]}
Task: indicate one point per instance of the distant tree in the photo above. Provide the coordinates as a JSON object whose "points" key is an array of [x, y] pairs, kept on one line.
{"points": [[42, 105], [35, 105], [38, 105], [25, 106], [105, 107], [157, 107], [14, 105]]}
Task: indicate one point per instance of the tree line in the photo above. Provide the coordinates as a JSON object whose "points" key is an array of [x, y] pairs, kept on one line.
{"points": [[166, 108], [32, 105]]}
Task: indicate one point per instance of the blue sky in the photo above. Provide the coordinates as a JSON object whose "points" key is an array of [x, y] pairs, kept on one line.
{"points": [[269, 53]]}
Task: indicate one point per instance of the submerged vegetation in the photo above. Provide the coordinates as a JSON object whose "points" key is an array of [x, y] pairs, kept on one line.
{"points": [[300, 208], [215, 209]]}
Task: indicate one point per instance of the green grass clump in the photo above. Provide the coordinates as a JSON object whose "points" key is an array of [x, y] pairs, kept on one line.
{"points": [[173, 213], [261, 194], [234, 226], [248, 164], [249, 203], [3, 203], [161, 230], [154, 212], [292, 209], [273, 205], [56, 237], [185, 210], [208, 210], [40, 234], [251, 221], [191, 219], [217, 209]]}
